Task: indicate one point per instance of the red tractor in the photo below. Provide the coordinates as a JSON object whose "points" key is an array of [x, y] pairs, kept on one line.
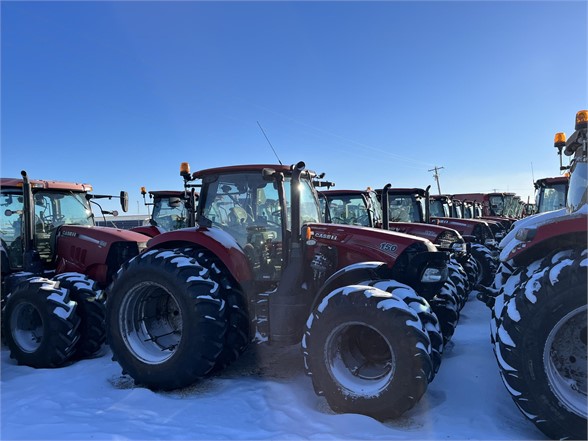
{"points": [[475, 231], [171, 211], [55, 264], [539, 325], [261, 265], [362, 207]]}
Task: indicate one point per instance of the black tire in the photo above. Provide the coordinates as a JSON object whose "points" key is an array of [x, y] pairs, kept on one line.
{"points": [[472, 270], [445, 307], [486, 263], [541, 350], [366, 352], [502, 274], [165, 320], [423, 310], [91, 310], [458, 276], [40, 324], [518, 281], [237, 337]]}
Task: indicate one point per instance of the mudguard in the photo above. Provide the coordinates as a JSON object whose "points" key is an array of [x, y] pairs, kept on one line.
{"points": [[220, 243]]}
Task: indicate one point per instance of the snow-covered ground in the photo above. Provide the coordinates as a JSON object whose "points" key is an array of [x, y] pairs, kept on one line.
{"points": [[265, 395]]}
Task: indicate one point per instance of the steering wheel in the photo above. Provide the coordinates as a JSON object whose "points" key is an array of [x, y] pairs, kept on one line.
{"points": [[363, 220], [52, 218]]}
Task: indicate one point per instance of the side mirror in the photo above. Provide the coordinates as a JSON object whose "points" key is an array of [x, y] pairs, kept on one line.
{"points": [[124, 201], [268, 173]]}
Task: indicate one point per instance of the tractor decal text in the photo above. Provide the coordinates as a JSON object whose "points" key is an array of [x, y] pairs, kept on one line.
{"points": [[326, 236], [388, 248], [69, 233]]}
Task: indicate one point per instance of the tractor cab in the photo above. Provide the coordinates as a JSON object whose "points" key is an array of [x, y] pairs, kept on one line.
{"points": [[48, 226], [551, 193]]}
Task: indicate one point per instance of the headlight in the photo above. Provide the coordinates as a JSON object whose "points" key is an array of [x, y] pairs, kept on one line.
{"points": [[459, 247], [526, 234], [432, 275]]}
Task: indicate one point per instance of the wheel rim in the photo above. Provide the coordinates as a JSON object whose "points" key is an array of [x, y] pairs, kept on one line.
{"points": [[564, 359], [150, 321], [26, 327], [360, 359]]}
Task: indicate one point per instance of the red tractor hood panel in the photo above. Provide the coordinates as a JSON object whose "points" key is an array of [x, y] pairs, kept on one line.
{"points": [[364, 244], [85, 249], [463, 226], [427, 231]]}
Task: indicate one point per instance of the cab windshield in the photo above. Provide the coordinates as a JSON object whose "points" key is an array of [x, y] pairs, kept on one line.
{"points": [[169, 213], [348, 209], [404, 208], [551, 198], [496, 205], [439, 209]]}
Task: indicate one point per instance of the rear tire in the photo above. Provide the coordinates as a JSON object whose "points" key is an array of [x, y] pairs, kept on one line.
{"points": [[40, 324], [237, 337], [165, 320], [541, 350], [91, 310], [366, 352]]}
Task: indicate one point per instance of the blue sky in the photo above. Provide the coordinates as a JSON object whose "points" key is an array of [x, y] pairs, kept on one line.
{"points": [[117, 94]]}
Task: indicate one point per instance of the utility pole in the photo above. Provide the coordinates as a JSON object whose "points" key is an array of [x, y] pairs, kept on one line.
{"points": [[436, 176]]}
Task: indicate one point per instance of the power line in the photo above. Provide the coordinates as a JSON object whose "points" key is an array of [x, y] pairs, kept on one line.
{"points": [[436, 176]]}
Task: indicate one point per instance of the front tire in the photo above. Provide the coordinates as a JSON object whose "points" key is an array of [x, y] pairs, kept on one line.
{"points": [[541, 350], [40, 325], [165, 320], [366, 352], [423, 310]]}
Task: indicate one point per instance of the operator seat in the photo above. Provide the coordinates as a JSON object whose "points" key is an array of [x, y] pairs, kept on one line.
{"points": [[238, 215]]}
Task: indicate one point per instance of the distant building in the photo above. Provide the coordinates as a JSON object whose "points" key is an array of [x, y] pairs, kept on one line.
{"points": [[124, 222]]}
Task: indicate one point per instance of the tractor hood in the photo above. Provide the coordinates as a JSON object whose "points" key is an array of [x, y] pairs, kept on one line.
{"points": [[530, 221], [441, 236], [362, 244], [510, 241], [463, 226], [101, 236], [96, 251]]}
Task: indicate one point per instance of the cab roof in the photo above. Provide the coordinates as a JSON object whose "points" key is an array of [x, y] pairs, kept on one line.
{"points": [[47, 185], [344, 192], [241, 168], [551, 181]]}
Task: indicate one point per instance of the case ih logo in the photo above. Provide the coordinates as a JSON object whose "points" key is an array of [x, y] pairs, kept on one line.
{"points": [[69, 233], [388, 247], [441, 221], [325, 236]]}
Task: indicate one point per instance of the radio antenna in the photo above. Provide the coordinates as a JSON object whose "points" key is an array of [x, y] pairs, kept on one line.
{"points": [[268, 141]]}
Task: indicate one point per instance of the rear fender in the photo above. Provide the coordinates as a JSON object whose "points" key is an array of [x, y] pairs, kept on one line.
{"points": [[217, 241], [149, 230]]}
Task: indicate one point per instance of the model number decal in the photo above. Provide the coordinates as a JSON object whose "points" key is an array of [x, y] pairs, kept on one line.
{"points": [[388, 247]]}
